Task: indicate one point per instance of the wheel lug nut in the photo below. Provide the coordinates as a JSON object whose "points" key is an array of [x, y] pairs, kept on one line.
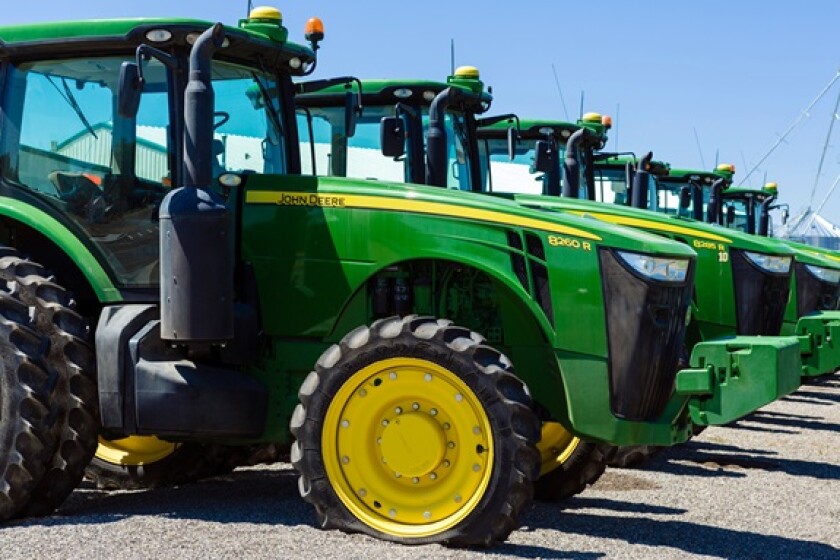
{"points": [[451, 445], [427, 514], [446, 426], [397, 475], [398, 410], [392, 375], [415, 480], [345, 423], [362, 492], [459, 397], [446, 463], [385, 422], [415, 406], [345, 459], [476, 467], [433, 412], [427, 377], [476, 430], [392, 512], [433, 476]]}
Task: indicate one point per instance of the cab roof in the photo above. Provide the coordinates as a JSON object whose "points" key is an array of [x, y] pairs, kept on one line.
{"points": [[37, 40]]}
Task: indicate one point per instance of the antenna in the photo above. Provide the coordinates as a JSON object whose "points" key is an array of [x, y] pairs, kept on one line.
{"points": [[699, 149], [560, 91], [451, 57], [744, 160], [717, 157], [581, 104], [250, 7], [615, 126]]}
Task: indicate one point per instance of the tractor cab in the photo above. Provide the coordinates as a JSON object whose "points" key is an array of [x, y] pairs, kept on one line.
{"points": [[72, 149], [690, 190], [748, 209], [378, 128]]}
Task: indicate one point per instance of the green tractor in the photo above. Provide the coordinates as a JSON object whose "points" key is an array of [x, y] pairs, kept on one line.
{"points": [[395, 117], [627, 189], [812, 313], [404, 341]]}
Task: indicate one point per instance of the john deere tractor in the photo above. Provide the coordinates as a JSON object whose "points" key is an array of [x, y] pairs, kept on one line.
{"points": [[395, 116], [626, 186], [403, 340], [811, 311]]}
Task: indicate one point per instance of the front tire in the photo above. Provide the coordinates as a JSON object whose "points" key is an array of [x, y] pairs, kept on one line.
{"points": [[414, 431], [633, 456]]}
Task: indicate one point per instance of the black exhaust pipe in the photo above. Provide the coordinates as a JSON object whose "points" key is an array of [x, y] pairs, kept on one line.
{"points": [[437, 159], [571, 179], [764, 219], [196, 234], [714, 212], [641, 179]]}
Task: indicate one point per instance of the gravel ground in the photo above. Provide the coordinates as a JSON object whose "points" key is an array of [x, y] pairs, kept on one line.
{"points": [[765, 487]]}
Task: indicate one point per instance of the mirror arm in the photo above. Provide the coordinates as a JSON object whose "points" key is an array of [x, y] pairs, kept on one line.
{"points": [[145, 53]]}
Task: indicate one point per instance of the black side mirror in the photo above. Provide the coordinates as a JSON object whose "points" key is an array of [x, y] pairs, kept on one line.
{"points": [[512, 140], [131, 88], [351, 114], [392, 137], [785, 216], [543, 156], [730, 215], [685, 197]]}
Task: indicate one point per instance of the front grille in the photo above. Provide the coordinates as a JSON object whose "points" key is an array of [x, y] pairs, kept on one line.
{"points": [[813, 294], [760, 297], [645, 335]]}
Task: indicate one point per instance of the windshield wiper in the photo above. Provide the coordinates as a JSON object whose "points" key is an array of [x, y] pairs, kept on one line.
{"points": [[67, 95]]}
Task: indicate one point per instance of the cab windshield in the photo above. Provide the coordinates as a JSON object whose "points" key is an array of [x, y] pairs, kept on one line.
{"points": [[327, 149]]}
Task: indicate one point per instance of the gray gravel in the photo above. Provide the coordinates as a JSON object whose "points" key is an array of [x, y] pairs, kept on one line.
{"points": [[765, 487]]}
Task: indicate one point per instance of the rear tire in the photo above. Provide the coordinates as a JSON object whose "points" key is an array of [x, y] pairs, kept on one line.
{"points": [[27, 388], [71, 356], [414, 431], [569, 464], [138, 462]]}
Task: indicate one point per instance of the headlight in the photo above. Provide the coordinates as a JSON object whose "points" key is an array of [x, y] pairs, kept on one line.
{"points": [[830, 275], [658, 268], [770, 263]]}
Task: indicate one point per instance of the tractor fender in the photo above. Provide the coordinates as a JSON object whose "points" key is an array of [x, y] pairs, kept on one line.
{"points": [[66, 242]]}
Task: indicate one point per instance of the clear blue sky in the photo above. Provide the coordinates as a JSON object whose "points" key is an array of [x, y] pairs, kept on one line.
{"points": [[737, 72]]}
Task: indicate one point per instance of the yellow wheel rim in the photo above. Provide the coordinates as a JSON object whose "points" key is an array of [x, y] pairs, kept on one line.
{"points": [[134, 450], [556, 446], [408, 447]]}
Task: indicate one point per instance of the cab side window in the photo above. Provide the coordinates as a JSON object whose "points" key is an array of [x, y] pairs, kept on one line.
{"points": [[63, 141]]}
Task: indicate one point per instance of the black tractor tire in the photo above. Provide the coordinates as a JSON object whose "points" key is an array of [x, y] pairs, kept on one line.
{"points": [[632, 456], [27, 413], [582, 468], [449, 355], [70, 355], [188, 462]]}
